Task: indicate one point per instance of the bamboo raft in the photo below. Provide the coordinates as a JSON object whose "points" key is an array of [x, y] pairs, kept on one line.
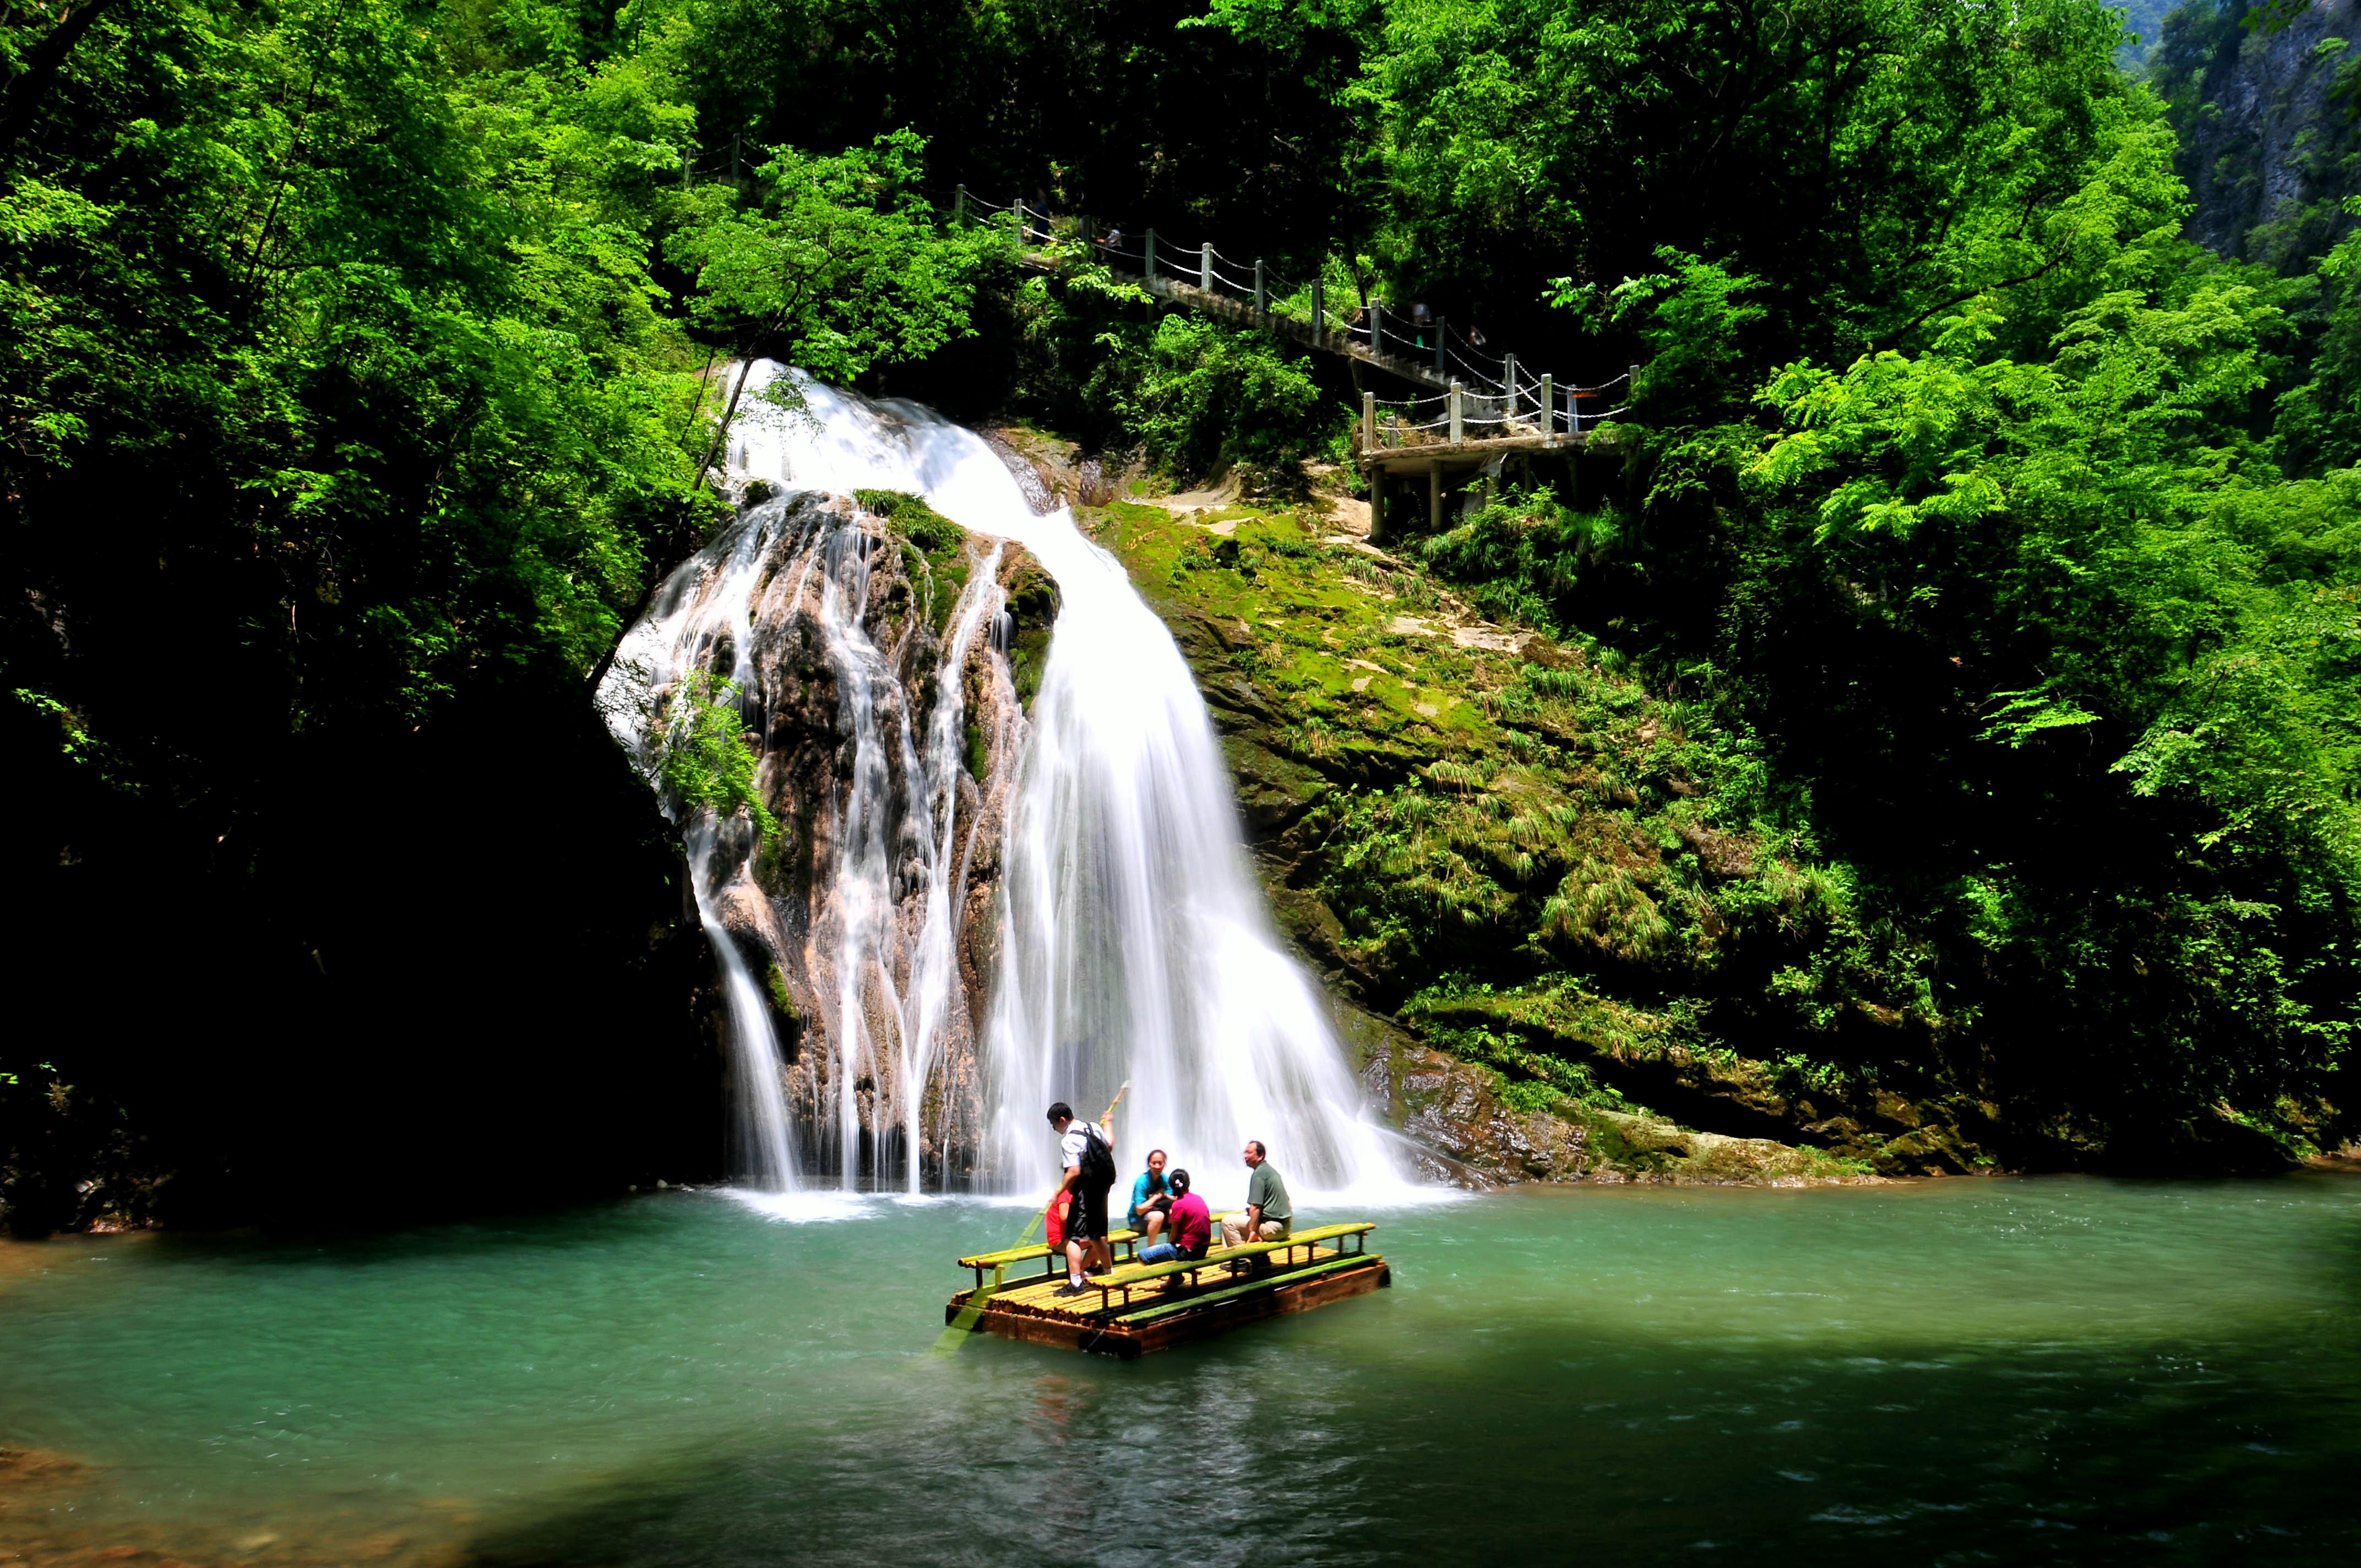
{"points": [[1142, 1307]]}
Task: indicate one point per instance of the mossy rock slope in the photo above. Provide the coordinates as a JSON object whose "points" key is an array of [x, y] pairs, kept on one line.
{"points": [[1546, 870]]}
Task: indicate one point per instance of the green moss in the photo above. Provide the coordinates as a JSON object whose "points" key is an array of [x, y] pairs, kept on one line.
{"points": [[912, 518], [782, 999], [935, 552], [1032, 613]]}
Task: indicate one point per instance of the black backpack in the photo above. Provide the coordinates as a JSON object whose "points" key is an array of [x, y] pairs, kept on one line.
{"points": [[1098, 1160]]}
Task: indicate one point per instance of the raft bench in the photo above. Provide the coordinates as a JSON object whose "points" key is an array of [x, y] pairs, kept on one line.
{"points": [[1258, 1286], [999, 1262], [1123, 1279]]}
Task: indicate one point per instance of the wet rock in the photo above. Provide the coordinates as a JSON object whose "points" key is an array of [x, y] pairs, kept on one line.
{"points": [[868, 615], [1460, 1112]]}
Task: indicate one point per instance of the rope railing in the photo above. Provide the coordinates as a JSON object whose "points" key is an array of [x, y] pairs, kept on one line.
{"points": [[1487, 380]]}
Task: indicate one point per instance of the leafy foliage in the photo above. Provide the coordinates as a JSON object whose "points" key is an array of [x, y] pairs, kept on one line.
{"points": [[353, 396], [704, 758], [1202, 398]]}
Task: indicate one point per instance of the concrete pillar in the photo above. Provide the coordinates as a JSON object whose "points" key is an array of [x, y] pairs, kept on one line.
{"points": [[1508, 376], [1369, 421], [1549, 411], [1151, 255], [1377, 534], [1205, 270], [1377, 327], [1434, 494], [1458, 426], [1262, 295], [959, 206], [1319, 315], [1442, 331]]}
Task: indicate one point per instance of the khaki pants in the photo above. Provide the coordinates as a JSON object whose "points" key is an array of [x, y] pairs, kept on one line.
{"points": [[1233, 1231]]}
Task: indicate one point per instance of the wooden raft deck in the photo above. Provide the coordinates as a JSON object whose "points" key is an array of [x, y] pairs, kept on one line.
{"points": [[1140, 1308]]}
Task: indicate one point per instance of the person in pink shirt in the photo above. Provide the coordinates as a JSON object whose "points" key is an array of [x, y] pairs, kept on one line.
{"points": [[1189, 1226]]}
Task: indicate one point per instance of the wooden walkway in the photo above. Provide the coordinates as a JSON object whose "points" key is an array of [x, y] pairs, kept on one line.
{"points": [[1140, 1308], [1300, 314], [1463, 431]]}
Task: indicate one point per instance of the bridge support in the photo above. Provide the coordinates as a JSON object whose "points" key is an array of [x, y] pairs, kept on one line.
{"points": [[1378, 531], [1434, 495]]}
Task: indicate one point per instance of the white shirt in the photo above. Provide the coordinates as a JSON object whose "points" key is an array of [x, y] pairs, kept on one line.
{"points": [[1070, 1147]]}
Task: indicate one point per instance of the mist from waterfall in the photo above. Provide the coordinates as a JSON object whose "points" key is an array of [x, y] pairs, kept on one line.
{"points": [[1133, 942]]}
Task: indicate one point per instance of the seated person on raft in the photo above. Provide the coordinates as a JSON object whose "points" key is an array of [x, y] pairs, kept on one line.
{"points": [[1268, 1215], [1190, 1225], [1149, 1200]]}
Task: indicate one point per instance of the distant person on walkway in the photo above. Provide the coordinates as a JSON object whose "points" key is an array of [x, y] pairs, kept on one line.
{"points": [[1149, 1199], [1268, 1214], [1190, 1229], [1088, 1153], [1112, 241]]}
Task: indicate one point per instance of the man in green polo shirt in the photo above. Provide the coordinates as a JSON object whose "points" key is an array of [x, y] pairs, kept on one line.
{"points": [[1268, 1214]]}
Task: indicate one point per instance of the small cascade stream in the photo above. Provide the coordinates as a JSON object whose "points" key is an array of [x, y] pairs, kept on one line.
{"points": [[1123, 937]]}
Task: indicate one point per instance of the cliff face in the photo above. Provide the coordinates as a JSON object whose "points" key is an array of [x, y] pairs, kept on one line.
{"points": [[1494, 848], [2269, 145], [885, 659]]}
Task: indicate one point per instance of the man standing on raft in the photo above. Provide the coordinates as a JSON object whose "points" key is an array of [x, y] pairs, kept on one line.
{"points": [[1268, 1214], [1088, 1152]]}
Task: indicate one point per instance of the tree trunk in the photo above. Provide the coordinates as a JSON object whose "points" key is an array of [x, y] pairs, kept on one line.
{"points": [[20, 99]]}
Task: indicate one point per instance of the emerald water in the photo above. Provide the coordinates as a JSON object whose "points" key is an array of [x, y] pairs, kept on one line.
{"points": [[2065, 1369]]}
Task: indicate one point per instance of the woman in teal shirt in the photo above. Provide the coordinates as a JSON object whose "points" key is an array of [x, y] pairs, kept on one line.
{"points": [[1149, 1200]]}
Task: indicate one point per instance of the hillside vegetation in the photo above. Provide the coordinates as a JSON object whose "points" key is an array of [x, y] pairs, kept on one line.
{"points": [[1979, 564]]}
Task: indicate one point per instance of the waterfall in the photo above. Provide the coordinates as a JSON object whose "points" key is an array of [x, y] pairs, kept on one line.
{"points": [[1134, 944], [704, 611], [781, 605]]}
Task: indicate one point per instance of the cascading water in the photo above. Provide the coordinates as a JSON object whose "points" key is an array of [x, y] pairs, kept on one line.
{"points": [[1132, 942], [781, 605], [703, 610]]}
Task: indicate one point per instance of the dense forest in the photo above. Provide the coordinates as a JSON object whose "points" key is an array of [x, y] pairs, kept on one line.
{"points": [[2002, 541]]}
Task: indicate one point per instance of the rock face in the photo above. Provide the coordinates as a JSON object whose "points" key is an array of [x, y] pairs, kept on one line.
{"points": [[1476, 1128], [1557, 954], [2267, 142], [881, 684], [883, 661]]}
